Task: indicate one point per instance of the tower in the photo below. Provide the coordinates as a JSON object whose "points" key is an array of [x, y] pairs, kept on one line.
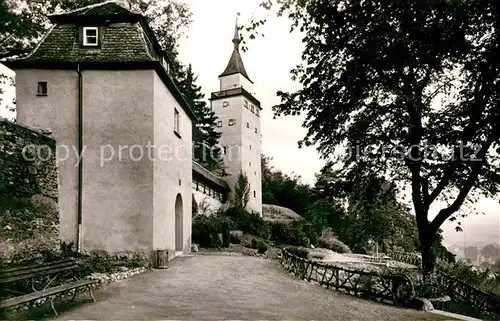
{"points": [[239, 122]]}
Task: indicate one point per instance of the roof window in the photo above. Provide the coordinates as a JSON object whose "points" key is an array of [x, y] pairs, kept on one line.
{"points": [[90, 36]]}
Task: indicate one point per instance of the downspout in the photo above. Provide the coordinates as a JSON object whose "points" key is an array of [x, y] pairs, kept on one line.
{"points": [[80, 162]]}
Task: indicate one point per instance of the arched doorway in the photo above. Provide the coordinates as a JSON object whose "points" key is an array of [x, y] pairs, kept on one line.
{"points": [[179, 246]]}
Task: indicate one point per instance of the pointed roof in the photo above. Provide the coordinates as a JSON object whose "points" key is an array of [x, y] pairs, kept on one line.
{"points": [[235, 64]]}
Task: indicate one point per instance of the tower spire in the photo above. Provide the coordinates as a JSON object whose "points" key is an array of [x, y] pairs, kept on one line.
{"points": [[236, 38], [235, 64]]}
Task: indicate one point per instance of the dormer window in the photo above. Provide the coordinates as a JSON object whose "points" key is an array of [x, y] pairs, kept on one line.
{"points": [[165, 64], [90, 36]]}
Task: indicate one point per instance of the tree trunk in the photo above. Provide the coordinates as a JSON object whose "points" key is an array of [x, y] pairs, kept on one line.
{"points": [[427, 239], [428, 256]]}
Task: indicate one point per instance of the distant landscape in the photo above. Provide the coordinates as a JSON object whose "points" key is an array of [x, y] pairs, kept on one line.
{"points": [[478, 244]]}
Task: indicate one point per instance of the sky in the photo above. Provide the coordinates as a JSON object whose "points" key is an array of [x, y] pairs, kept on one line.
{"points": [[207, 46], [268, 63]]}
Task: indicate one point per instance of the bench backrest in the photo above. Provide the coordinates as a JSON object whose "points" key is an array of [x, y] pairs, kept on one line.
{"points": [[28, 272]]}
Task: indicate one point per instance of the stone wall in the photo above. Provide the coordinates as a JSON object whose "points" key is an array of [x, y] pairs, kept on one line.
{"points": [[29, 215], [33, 173]]}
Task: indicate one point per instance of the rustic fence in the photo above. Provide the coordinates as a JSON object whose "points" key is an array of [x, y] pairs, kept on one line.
{"points": [[468, 295], [410, 258], [389, 288], [460, 292]]}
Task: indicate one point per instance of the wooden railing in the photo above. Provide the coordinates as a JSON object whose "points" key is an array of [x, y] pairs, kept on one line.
{"points": [[460, 292], [410, 258], [390, 288], [468, 295]]}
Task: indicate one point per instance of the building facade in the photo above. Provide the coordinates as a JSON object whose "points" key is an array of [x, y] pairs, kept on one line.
{"points": [[100, 82], [239, 121]]}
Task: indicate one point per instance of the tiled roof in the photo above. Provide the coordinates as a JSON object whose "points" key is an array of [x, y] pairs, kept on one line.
{"points": [[99, 9], [121, 42], [235, 64], [206, 174]]}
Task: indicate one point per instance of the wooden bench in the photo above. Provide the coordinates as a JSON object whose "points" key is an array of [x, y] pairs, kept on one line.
{"points": [[59, 271]]}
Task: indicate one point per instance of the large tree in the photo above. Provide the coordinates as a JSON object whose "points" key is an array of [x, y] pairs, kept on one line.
{"points": [[206, 149], [283, 189], [414, 83]]}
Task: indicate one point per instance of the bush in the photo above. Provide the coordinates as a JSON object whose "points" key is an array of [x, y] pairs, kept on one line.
{"points": [[206, 230], [253, 244], [262, 247], [332, 243], [226, 236], [236, 237], [299, 251], [290, 234], [248, 222]]}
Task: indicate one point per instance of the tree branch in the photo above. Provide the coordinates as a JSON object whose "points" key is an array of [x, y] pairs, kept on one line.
{"points": [[466, 188]]}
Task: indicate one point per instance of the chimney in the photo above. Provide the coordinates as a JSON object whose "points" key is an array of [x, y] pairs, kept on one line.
{"points": [[124, 3]]}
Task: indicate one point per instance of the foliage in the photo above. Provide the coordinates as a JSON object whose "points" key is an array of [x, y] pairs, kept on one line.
{"points": [[282, 189], [247, 222], [236, 237], [206, 230], [205, 135], [226, 236], [410, 87], [298, 251], [24, 22], [241, 192], [262, 247], [329, 241], [468, 274], [29, 228], [289, 234], [194, 206]]}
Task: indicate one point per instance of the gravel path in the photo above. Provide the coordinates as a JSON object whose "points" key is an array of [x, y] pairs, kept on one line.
{"points": [[230, 287]]}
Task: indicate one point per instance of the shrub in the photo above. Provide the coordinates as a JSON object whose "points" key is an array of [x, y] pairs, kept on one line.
{"points": [[332, 243], [290, 234], [29, 229], [206, 230], [226, 236], [262, 247], [254, 243], [299, 251], [248, 222], [236, 237]]}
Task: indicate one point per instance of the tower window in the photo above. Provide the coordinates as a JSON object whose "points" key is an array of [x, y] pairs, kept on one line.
{"points": [[90, 36], [42, 88], [232, 122], [225, 104], [255, 173], [224, 150], [176, 121], [250, 147], [256, 130], [219, 123], [254, 194], [245, 103], [248, 125], [250, 164]]}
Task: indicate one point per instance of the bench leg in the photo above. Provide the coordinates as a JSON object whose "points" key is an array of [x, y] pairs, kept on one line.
{"points": [[91, 294], [53, 308]]}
